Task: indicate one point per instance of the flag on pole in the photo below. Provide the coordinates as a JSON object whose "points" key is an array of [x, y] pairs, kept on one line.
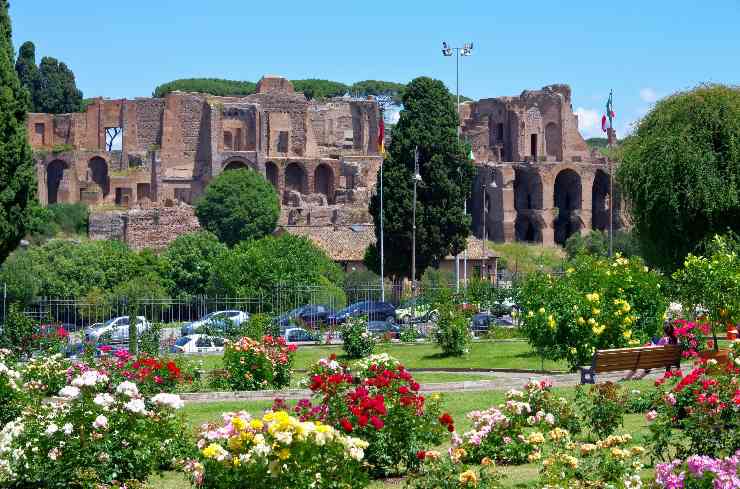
{"points": [[381, 136], [610, 115]]}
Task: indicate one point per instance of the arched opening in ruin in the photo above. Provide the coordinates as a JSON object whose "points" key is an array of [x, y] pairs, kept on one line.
{"points": [[54, 176], [600, 201], [567, 198], [295, 178], [98, 173], [527, 228], [235, 165], [527, 190], [228, 141], [324, 181], [271, 172], [552, 140]]}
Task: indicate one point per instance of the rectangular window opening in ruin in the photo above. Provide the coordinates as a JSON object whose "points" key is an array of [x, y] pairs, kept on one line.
{"points": [[113, 138], [238, 140], [500, 132], [143, 191], [123, 196], [282, 146], [183, 195], [40, 130], [349, 139], [533, 149]]}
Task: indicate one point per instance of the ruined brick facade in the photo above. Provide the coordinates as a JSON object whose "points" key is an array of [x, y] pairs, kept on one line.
{"points": [[322, 158], [547, 183]]}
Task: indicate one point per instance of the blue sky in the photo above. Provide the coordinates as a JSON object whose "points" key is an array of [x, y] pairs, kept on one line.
{"points": [[641, 49]]}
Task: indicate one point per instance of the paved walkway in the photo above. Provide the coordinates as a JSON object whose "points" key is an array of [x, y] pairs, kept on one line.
{"points": [[501, 381]]}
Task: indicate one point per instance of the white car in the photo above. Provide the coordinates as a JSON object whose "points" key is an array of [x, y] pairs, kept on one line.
{"points": [[217, 321], [198, 343], [117, 328]]}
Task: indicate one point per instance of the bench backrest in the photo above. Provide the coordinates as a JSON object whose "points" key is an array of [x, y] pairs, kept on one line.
{"points": [[643, 357]]}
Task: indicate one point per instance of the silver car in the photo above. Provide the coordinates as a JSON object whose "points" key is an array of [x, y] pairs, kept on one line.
{"points": [[117, 328]]}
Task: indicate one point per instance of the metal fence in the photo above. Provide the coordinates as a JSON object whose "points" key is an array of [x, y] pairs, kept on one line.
{"points": [[76, 314]]}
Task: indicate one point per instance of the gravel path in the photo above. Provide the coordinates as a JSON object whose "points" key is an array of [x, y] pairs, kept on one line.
{"points": [[499, 381]]}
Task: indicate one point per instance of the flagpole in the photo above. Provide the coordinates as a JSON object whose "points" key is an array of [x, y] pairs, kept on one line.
{"points": [[611, 176], [413, 225], [382, 254]]}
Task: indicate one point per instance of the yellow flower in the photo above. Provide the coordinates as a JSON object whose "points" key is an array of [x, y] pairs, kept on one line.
{"points": [[581, 320], [256, 424], [598, 329], [486, 461], [595, 311], [468, 478], [212, 450], [592, 321], [530, 314], [458, 454], [534, 456], [284, 454], [536, 438], [541, 310], [238, 423], [587, 448], [627, 334], [236, 461]]}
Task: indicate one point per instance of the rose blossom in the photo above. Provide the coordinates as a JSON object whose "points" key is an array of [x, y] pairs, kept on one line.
{"points": [[101, 422]]}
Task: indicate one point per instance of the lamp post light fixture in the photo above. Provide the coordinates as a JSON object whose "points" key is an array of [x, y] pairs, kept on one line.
{"points": [[485, 218], [465, 50]]}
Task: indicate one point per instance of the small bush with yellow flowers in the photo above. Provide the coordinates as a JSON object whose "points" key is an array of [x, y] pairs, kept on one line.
{"points": [[596, 304], [276, 451], [448, 471], [613, 462]]}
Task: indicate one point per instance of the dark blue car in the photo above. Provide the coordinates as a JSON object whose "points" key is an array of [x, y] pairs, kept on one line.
{"points": [[374, 310], [309, 316]]}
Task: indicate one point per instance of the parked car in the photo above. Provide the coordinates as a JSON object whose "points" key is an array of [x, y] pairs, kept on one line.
{"points": [[483, 321], [374, 310], [310, 316], [416, 311], [198, 343], [298, 335], [117, 328], [218, 321], [382, 328]]}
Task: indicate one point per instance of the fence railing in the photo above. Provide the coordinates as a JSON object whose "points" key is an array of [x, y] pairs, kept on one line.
{"points": [[76, 314]]}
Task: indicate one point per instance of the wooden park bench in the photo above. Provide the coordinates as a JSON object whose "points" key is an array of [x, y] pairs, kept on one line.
{"points": [[640, 358]]}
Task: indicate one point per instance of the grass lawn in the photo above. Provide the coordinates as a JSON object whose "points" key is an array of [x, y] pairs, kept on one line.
{"points": [[527, 258], [483, 354], [458, 404]]}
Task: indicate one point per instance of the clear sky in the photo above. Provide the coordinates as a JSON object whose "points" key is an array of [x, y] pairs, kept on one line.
{"points": [[642, 49]]}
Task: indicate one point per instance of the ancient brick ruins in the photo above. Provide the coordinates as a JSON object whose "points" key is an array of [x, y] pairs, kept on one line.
{"points": [[548, 183], [321, 157]]}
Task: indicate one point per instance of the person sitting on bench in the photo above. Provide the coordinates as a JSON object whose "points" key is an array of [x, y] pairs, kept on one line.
{"points": [[669, 338]]}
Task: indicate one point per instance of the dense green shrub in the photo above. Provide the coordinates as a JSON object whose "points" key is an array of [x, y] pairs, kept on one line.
{"points": [[597, 243], [453, 331], [189, 262], [596, 304], [19, 332], [318, 89], [258, 364], [603, 406], [357, 342], [238, 205], [213, 86], [680, 172]]}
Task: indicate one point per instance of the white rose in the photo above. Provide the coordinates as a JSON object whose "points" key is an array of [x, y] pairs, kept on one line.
{"points": [[101, 422], [136, 406], [127, 389], [67, 428], [69, 392], [104, 400]]}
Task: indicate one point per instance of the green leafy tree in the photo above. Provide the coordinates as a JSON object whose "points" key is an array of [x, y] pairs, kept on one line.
{"points": [[28, 72], [680, 172], [190, 259], [213, 86], [378, 87], [17, 172], [259, 266], [429, 121], [57, 92], [238, 205], [317, 89]]}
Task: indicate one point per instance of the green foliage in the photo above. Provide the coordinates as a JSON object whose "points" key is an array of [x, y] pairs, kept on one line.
{"points": [[19, 332], [453, 331], [357, 342], [149, 341], [313, 88], [72, 269], [596, 243], [213, 86], [712, 282], [680, 172], [256, 267], [17, 169], [377, 87], [190, 260], [360, 279], [428, 122], [11, 396], [238, 205], [57, 91], [28, 72], [603, 406], [597, 142], [597, 304], [408, 334], [444, 472], [527, 258]]}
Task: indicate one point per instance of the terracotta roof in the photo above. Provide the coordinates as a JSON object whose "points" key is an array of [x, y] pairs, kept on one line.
{"points": [[348, 243]]}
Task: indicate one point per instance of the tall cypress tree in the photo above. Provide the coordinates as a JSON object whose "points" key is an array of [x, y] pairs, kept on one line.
{"points": [[428, 122], [17, 180], [28, 72]]}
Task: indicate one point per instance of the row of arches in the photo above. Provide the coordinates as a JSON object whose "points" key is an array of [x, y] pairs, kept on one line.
{"points": [[567, 194], [59, 174], [295, 177]]}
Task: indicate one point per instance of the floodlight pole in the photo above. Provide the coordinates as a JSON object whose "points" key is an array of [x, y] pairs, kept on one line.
{"points": [[413, 225]]}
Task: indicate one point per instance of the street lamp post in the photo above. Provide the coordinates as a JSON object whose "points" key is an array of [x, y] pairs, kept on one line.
{"points": [[465, 50]]}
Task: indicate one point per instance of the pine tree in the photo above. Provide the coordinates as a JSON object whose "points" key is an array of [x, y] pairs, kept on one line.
{"points": [[28, 72], [57, 92], [17, 181], [428, 122]]}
